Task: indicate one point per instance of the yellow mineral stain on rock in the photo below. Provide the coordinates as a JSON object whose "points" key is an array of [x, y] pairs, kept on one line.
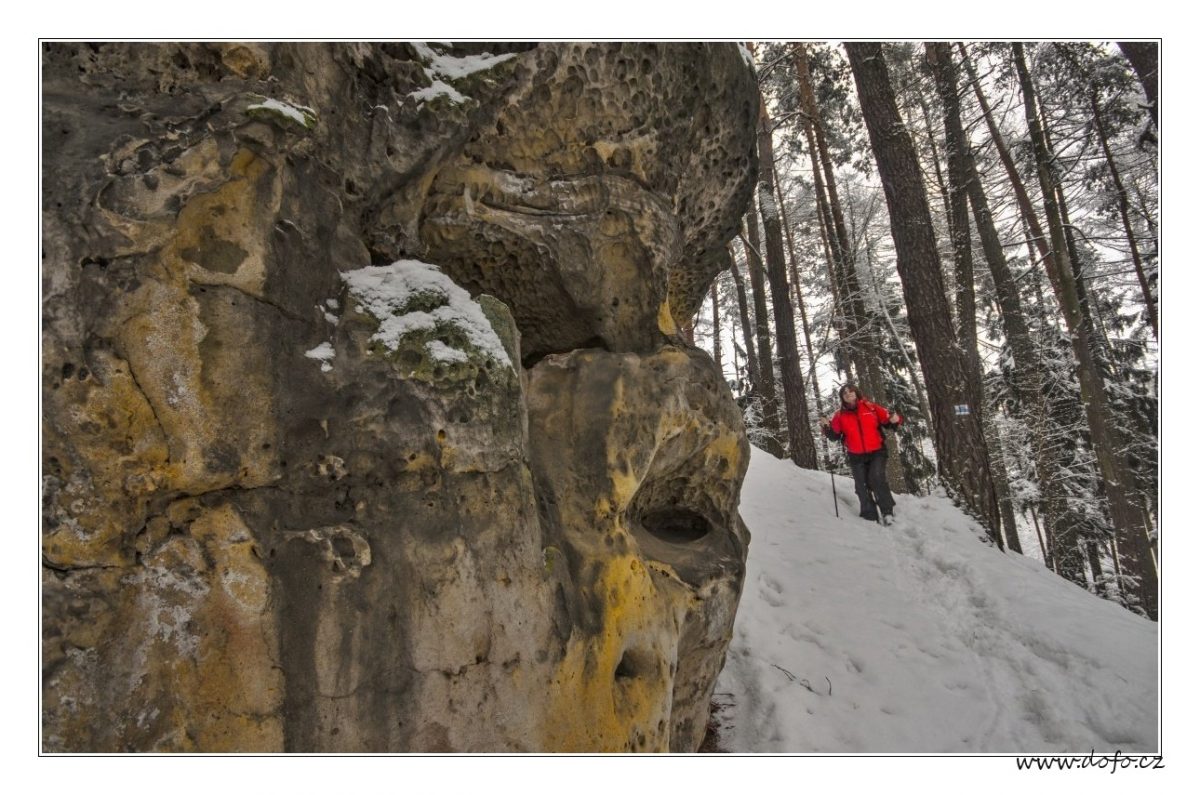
{"points": [[226, 683], [625, 483], [221, 237], [211, 396], [727, 448], [666, 321], [247, 61], [600, 700], [242, 734], [118, 448]]}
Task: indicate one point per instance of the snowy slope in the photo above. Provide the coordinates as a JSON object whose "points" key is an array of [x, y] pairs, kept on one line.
{"points": [[855, 638]]}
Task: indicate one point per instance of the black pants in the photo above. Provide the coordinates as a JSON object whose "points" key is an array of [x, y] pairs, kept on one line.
{"points": [[870, 476]]}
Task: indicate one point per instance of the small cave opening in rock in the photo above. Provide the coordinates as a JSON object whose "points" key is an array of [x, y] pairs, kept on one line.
{"points": [[633, 665], [676, 525]]}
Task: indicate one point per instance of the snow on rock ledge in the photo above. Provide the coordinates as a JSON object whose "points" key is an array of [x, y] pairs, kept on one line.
{"points": [[413, 300]]}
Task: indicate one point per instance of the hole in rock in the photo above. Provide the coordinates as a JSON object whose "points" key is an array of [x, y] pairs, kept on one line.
{"points": [[676, 525], [632, 665]]}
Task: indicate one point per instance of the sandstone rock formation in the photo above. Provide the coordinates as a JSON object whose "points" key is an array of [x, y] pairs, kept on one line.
{"points": [[366, 422]]}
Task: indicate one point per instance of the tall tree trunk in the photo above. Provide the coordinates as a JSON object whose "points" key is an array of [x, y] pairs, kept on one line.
{"points": [[1041, 541], [950, 276], [958, 178], [1062, 536], [957, 214], [1143, 56], [762, 332], [958, 438], [1123, 205], [802, 449], [747, 326], [1093, 556], [1146, 215], [1116, 561], [716, 329], [1133, 545], [864, 349], [1035, 257], [1055, 423], [793, 267], [791, 244], [1151, 525], [943, 191], [1093, 328], [825, 225], [1030, 370]]}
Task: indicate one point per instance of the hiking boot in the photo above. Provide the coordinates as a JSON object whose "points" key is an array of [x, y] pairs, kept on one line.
{"points": [[888, 519]]}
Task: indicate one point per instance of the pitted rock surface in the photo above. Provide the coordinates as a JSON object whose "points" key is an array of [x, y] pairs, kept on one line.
{"points": [[598, 202], [284, 513]]}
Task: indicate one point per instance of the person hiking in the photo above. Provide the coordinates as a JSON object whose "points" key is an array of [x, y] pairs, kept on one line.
{"points": [[859, 425]]}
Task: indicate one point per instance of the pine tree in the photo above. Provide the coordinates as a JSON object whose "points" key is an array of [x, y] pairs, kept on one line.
{"points": [[799, 429], [959, 439], [958, 178], [862, 341], [765, 388], [1143, 56], [1133, 544], [746, 326]]}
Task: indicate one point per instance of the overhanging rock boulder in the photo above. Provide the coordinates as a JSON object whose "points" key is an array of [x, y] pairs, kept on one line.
{"points": [[366, 422]]}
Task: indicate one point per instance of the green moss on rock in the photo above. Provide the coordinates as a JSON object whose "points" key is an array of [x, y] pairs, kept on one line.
{"points": [[503, 323], [282, 114]]}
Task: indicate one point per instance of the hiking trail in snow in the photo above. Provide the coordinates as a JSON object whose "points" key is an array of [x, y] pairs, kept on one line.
{"points": [[852, 637]]}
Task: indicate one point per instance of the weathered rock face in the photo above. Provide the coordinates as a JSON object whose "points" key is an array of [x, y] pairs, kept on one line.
{"points": [[580, 206], [300, 491], [638, 469]]}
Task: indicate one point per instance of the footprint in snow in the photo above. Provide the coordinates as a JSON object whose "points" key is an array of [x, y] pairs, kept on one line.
{"points": [[771, 583], [773, 598]]}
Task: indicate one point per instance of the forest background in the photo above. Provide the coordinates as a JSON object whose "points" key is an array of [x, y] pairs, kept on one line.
{"points": [[970, 234]]}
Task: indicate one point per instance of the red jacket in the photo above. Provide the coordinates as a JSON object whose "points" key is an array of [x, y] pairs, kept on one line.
{"points": [[860, 428]]}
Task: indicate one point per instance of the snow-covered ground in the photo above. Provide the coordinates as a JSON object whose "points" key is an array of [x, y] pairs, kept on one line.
{"points": [[856, 638]]}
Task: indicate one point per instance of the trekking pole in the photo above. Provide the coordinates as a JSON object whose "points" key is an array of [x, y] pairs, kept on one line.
{"points": [[832, 484]]}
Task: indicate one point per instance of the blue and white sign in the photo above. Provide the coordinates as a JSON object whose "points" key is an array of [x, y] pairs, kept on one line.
{"points": [[962, 409]]}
